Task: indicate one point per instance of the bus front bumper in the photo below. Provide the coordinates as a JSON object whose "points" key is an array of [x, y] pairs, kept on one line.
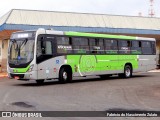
{"points": [[23, 76]]}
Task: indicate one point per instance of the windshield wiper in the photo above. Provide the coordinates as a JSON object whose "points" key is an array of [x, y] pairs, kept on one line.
{"points": [[23, 43], [20, 47]]}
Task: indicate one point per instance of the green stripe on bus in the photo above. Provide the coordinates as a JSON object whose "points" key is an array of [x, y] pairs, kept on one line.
{"points": [[92, 63], [80, 34], [21, 70]]}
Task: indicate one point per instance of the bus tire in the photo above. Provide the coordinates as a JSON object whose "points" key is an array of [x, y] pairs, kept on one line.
{"points": [[127, 72], [40, 82], [65, 75]]}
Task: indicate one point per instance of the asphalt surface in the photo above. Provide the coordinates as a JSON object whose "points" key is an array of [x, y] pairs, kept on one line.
{"points": [[142, 92]]}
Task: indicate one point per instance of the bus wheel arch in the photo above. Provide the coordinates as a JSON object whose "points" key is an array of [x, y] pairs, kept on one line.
{"points": [[65, 74]]}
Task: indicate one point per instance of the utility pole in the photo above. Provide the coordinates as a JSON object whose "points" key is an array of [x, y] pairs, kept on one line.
{"points": [[151, 12]]}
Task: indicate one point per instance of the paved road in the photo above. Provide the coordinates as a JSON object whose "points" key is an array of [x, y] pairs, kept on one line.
{"points": [[142, 92]]}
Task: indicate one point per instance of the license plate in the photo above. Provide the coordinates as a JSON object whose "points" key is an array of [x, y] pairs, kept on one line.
{"points": [[16, 77]]}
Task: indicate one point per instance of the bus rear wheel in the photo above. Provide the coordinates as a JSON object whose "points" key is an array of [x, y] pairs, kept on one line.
{"points": [[127, 72], [65, 75]]}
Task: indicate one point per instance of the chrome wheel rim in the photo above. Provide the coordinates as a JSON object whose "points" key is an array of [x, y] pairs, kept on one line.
{"points": [[128, 72], [65, 75]]}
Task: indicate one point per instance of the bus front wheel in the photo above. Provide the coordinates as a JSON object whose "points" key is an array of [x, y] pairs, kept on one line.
{"points": [[65, 75]]}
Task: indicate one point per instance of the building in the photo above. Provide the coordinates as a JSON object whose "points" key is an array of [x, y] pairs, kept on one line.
{"points": [[16, 20]]}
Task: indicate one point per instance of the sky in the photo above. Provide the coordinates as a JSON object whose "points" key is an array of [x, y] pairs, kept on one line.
{"points": [[114, 7]]}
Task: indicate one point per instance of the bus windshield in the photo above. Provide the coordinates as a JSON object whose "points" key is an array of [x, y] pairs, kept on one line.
{"points": [[21, 51]]}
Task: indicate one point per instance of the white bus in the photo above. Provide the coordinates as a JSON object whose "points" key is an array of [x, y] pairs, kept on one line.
{"points": [[47, 54]]}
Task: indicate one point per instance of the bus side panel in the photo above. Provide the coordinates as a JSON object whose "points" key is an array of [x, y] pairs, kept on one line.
{"points": [[50, 68], [123, 59], [146, 63], [83, 65], [108, 62]]}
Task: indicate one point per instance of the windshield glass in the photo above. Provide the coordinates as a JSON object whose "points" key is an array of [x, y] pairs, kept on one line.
{"points": [[21, 51]]}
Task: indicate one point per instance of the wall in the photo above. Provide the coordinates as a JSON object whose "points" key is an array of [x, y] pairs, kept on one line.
{"points": [[4, 54]]}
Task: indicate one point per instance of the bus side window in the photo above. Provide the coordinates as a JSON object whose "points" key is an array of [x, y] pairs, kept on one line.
{"points": [[92, 44], [96, 46], [44, 48], [111, 46], [146, 48], [64, 45], [124, 47], [80, 45], [136, 47]]}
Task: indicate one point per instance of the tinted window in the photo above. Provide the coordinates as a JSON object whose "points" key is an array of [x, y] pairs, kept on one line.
{"points": [[44, 48], [111, 46], [146, 48], [48, 47], [96, 46], [80, 41], [80, 45], [136, 47], [63, 40], [64, 45], [124, 47], [146, 44]]}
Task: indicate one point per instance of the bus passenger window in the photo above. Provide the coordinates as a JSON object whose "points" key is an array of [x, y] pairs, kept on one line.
{"points": [[96, 46], [136, 47], [111, 46], [80, 45], [64, 45], [124, 47], [146, 47]]}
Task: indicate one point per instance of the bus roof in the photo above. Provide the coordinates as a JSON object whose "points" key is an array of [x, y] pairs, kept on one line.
{"points": [[81, 34], [95, 35]]}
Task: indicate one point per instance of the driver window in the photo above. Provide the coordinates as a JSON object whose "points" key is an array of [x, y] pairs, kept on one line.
{"points": [[44, 48]]}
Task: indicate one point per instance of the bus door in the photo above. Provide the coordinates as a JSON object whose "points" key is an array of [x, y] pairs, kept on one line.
{"points": [[44, 57]]}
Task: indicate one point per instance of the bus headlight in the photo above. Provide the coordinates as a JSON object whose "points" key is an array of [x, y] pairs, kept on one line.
{"points": [[31, 68]]}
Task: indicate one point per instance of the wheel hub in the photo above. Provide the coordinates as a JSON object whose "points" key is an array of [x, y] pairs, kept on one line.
{"points": [[128, 72], [65, 75]]}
